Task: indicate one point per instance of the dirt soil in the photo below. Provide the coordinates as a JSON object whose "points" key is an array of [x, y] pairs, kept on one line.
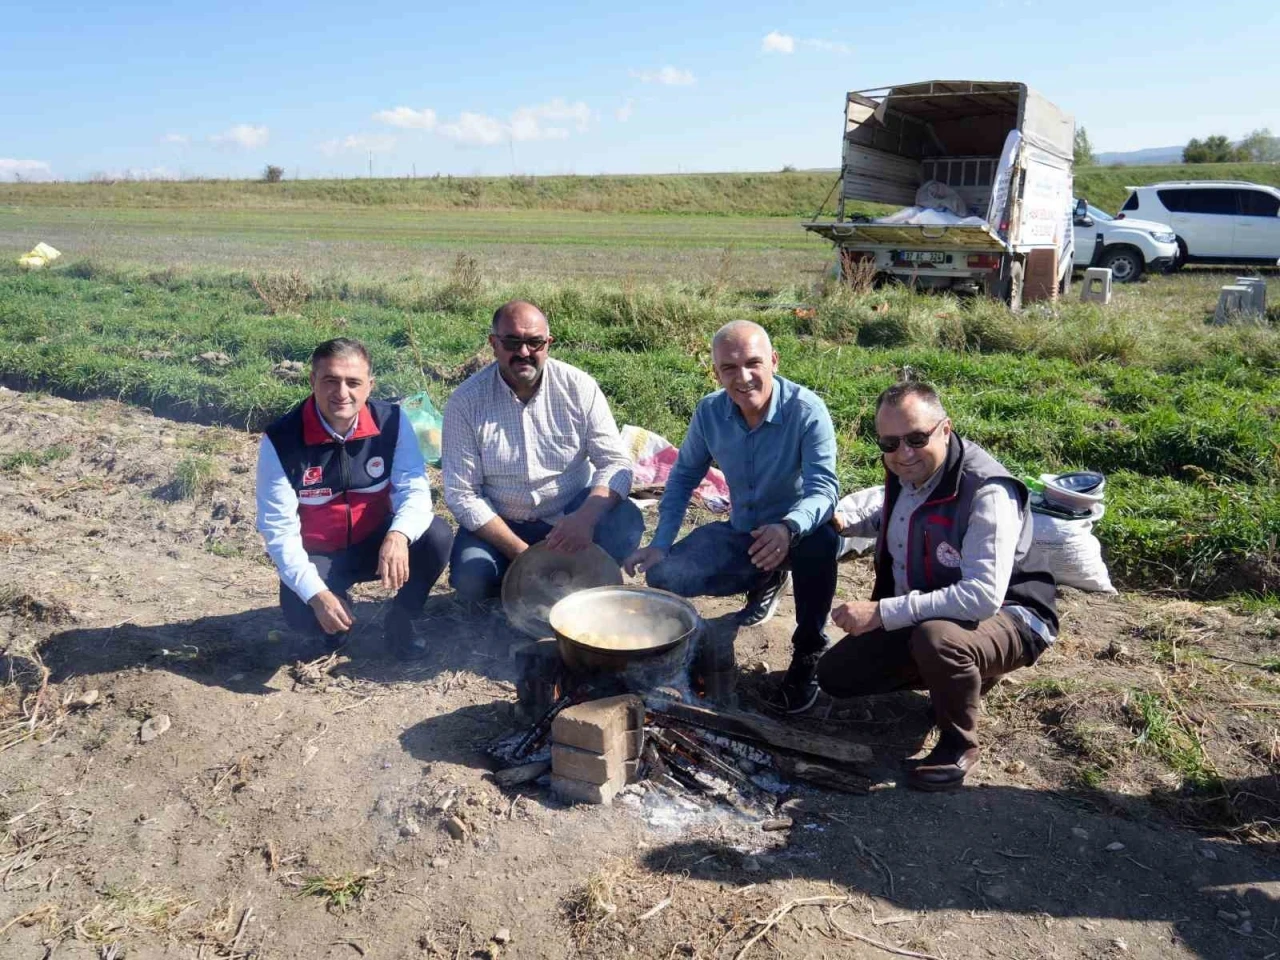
{"points": [[1126, 805]]}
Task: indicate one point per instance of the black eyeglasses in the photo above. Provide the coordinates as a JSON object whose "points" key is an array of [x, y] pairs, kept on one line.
{"points": [[513, 344], [915, 439]]}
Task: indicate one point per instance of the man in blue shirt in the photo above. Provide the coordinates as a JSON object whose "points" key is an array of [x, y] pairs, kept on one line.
{"points": [[775, 444]]}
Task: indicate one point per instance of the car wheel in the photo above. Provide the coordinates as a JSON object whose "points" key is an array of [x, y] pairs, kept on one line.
{"points": [[1125, 263], [1180, 258]]}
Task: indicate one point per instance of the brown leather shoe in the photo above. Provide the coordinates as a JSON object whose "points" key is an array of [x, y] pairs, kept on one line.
{"points": [[944, 768]]}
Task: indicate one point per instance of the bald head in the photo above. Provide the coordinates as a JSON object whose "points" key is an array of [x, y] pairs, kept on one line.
{"points": [[740, 333], [520, 313], [744, 362], [520, 338]]}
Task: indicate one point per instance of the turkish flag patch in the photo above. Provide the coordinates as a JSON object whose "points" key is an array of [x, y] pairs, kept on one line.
{"points": [[312, 475]]}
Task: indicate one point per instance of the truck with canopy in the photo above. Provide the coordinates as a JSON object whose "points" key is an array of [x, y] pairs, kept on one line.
{"points": [[983, 172]]}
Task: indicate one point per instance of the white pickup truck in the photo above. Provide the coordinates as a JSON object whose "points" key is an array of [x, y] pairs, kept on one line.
{"points": [[999, 152]]}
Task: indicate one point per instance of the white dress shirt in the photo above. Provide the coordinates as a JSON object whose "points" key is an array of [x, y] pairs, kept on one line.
{"points": [[278, 506], [526, 461]]}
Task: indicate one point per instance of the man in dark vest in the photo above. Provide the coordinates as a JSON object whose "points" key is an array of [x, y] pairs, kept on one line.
{"points": [[956, 602], [343, 497]]}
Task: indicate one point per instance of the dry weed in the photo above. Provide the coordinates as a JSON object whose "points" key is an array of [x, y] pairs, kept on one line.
{"points": [[46, 914], [282, 293], [341, 890], [131, 912], [34, 835], [593, 902], [858, 275]]}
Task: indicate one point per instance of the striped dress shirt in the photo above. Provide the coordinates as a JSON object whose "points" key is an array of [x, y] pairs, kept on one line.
{"points": [[526, 461]]}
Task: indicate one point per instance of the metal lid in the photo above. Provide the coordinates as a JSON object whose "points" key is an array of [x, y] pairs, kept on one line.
{"points": [[539, 578]]}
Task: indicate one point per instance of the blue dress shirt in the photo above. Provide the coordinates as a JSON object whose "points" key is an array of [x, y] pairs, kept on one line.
{"points": [[785, 468]]}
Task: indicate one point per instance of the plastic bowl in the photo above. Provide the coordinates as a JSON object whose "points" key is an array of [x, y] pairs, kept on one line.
{"points": [[1074, 491]]}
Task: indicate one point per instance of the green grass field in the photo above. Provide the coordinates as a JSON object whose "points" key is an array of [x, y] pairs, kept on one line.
{"points": [[392, 243], [1180, 415], [635, 274]]}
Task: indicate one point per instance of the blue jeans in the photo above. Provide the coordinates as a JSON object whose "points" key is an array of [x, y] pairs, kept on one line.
{"points": [[476, 568], [712, 561]]}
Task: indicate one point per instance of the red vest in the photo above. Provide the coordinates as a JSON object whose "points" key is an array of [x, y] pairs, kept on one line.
{"points": [[343, 487]]}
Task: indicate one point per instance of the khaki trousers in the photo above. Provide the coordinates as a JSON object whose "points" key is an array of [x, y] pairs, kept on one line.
{"points": [[955, 662]]}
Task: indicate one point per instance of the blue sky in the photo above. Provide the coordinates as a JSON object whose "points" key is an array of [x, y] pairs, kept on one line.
{"points": [[180, 89]]}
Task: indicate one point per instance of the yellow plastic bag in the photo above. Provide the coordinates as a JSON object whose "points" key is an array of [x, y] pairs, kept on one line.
{"points": [[41, 255]]}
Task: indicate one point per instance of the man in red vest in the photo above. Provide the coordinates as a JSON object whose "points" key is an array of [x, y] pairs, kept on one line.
{"points": [[343, 497], [958, 600]]}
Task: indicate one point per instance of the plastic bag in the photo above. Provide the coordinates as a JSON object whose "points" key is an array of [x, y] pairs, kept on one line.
{"points": [[851, 509], [427, 422], [41, 255], [1071, 551]]}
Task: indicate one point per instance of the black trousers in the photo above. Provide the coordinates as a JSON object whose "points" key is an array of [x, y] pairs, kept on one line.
{"points": [[359, 563]]}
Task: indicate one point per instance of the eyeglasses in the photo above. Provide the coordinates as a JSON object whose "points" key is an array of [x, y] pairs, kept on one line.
{"points": [[915, 439], [513, 344]]}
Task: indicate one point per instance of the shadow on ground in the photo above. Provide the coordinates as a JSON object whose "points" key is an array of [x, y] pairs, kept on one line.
{"points": [[241, 651], [988, 850]]}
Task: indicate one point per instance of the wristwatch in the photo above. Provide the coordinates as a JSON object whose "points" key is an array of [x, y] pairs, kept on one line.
{"points": [[794, 529]]}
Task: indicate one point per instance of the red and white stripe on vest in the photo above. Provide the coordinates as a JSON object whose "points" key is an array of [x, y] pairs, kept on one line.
{"points": [[343, 487]]}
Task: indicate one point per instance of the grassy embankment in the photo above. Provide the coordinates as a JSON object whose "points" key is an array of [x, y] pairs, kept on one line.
{"points": [[748, 194], [1180, 415]]}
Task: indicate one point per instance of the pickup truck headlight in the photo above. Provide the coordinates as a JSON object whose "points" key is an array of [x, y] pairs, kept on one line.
{"points": [[1163, 236]]}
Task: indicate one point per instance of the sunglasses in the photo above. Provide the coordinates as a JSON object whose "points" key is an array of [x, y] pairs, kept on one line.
{"points": [[915, 439], [513, 344]]}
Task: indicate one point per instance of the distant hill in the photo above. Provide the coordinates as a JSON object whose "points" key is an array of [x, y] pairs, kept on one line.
{"points": [[1139, 158], [774, 194]]}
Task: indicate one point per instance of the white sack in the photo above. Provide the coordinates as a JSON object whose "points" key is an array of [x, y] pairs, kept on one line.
{"points": [[936, 195], [1071, 551], [852, 509]]}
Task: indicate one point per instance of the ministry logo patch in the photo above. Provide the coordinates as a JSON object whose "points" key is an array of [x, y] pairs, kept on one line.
{"points": [[948, 555], [376, 466]]}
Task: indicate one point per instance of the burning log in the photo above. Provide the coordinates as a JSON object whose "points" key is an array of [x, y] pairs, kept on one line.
{"points": [[745, 726]]}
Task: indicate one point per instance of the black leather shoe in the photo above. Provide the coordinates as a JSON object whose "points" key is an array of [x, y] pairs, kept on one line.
{"points": [[944, 768], [762, 602]]}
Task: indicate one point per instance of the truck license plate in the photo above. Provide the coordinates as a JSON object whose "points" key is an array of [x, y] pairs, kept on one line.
{"points": [[922, 256]]}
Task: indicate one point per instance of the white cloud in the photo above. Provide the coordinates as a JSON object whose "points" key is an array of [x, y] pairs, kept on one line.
{"points": [[475, 129], [623, 113], [527, 123], [242, 135], [408, 118], [26, 169], [362, 142], [554, 120], [776, 42], [668, 76], [180, 139]]}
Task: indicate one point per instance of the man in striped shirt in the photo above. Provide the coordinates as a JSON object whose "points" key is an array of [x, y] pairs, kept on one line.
{"points": [[531, 453]]}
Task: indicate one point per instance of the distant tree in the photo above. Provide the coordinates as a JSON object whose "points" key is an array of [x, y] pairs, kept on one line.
{"points": [[1083, 148], [1261, 147], [272, 174], [1215, 149], [788, 168]]}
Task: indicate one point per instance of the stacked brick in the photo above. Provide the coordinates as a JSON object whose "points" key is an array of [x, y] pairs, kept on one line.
{"points": [[595, 748]]}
